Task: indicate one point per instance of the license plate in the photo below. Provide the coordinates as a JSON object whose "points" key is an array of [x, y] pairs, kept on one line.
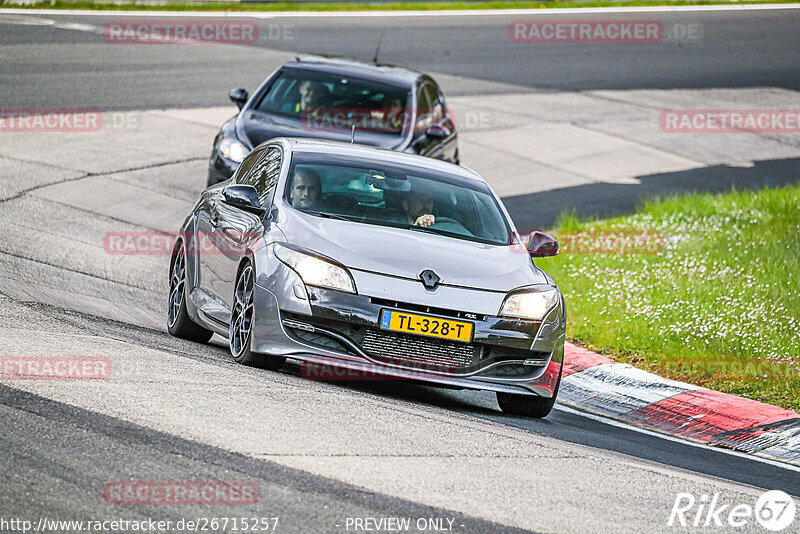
{"points": [[424, 325]]}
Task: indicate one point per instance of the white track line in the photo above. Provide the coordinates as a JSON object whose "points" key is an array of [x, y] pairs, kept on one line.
{"points": [[626, 426], [378, 14]]}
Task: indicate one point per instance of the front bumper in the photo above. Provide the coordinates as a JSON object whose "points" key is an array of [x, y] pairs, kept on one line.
{"points": [[330, 330]]}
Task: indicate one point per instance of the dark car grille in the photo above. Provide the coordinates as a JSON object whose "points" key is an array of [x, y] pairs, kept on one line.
{"points": [[410, 349]]}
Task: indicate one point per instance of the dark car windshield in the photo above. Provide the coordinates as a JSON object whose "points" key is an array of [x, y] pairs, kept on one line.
{"points": [[334, 102], [371, 192]]}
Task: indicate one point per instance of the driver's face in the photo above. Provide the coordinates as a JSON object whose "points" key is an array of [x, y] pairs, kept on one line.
{"points": [[309, 93], [419, 203], [306, 192]]}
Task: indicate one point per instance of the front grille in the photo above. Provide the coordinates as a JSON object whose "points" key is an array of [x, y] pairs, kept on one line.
{"points": [[413, 351], [417, 351], [513, 370], [319, 339]]}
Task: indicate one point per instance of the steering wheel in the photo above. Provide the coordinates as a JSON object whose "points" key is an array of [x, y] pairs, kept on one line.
{"points": [[448, 224]]}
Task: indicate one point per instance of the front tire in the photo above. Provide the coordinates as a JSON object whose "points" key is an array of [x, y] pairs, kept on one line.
{"points": [[528, 405], [241, 330], [179, 324]]}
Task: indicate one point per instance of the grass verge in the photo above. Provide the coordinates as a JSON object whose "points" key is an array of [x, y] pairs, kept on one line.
{"points": [[362, 6], [700, 288]]}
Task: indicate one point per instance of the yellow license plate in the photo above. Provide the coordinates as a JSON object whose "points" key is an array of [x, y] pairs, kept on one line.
{"points": [[424, 325]]}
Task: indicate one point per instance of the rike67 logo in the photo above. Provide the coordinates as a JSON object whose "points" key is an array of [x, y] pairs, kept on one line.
{"points": [[774, 510]]}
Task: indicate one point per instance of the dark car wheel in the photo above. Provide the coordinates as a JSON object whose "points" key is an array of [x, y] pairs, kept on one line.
{"points": [[241, 330], [528, 405], [179, 324]]}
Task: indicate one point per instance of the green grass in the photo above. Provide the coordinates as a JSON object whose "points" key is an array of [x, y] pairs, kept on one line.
{"points": [[710, 296], [124, 5]]}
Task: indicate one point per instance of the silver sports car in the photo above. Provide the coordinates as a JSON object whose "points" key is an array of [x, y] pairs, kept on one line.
{"points": [[382, 264]]}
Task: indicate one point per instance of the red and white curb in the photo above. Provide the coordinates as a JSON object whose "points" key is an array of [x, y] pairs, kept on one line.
{"points": [[599, 385]]}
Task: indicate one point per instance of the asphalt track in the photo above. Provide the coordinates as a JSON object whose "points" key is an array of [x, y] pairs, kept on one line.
{"points": [[73, 68], [57, 454]]}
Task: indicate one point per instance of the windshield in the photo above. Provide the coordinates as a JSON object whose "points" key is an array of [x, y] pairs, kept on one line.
{"points": [[411, 198], [333, 102]]}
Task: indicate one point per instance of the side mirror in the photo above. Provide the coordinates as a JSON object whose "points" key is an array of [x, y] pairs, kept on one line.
{"points": [[243, 197], [239, 97], [438, 131], [541, 245]]}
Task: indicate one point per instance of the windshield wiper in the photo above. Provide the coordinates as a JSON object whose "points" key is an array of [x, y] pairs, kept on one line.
{"points": [[327, 215], [425, 229]]}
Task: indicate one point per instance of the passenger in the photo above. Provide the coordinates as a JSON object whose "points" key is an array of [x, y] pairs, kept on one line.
{"points": [[394, 114]]}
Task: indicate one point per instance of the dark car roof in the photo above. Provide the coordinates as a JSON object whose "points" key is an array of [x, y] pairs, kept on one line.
{"points": [[380, 72]]}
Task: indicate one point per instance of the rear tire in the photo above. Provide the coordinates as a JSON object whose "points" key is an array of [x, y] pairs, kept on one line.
{"points": [[240, 336], [528, 405], [179, 324]]}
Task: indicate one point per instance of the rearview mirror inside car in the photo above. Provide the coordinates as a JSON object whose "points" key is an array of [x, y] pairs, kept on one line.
{"points": [[239, 97], [541, 245], [243, 197]]}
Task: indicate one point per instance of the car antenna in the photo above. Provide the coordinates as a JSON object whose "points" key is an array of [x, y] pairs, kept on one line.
{"points": [[378, 48], [353, 135]]}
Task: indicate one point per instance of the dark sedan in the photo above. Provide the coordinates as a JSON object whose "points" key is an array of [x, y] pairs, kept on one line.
{"points": [[342, 100]]}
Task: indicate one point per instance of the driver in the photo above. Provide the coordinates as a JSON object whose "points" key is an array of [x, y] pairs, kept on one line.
{"points": [[418, 206], [311, 96], [306, 191]]}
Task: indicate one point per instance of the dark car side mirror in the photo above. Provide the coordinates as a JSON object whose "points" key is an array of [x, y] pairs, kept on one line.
{"points": [[244, 197], [541, 245], [438, 131], [239, 97]]}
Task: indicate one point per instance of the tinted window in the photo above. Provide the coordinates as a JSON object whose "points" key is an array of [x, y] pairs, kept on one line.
{"points": [[425, 103], [246, 165], [264, 174], [329, 101]]}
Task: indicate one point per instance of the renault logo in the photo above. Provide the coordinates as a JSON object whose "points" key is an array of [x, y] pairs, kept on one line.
{"points": [[429, 278]]}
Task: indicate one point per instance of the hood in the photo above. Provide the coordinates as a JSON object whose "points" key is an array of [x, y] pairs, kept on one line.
{"points": [[258, 127], [406, 253]]}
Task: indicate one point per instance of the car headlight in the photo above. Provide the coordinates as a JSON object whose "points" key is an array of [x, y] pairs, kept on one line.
{"points": [[232, 150], [315, 271], [530, 303]]}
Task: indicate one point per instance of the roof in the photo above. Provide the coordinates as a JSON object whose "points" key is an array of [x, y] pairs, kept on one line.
{"points": [[380, 72], [300, 144]]}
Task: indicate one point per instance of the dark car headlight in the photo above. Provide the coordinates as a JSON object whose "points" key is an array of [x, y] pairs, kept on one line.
{"points": [[232, 150], [316, 271], [533, 303]]}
